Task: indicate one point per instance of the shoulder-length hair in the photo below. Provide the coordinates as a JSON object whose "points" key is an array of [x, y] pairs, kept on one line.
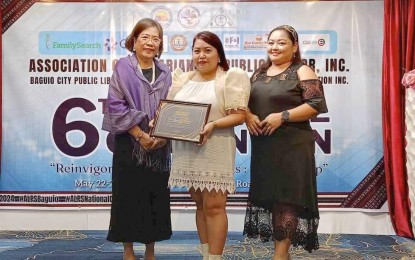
{"points": [[140, 26], [212, 39], [293, 36]]}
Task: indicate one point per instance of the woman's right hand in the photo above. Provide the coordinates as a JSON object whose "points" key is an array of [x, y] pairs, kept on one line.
{"points": [[146, 142], [253, 124]]}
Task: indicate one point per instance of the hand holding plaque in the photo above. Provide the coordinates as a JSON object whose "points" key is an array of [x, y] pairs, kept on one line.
{"points": [[180, 120]]}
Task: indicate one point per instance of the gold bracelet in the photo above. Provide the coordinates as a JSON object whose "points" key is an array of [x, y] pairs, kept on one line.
{"points": [[215, 124], [137, 138]]}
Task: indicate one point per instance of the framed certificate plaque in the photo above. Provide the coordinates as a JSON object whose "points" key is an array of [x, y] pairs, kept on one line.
{"points": [[180, 120]]}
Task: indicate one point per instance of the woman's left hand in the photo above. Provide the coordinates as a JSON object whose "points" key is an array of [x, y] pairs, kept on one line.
{"points": [[271, 123], [207, 131], [158, 143]]}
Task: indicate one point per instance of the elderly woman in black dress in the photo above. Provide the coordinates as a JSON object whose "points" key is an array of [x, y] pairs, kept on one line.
{"points": [[140, 210]]}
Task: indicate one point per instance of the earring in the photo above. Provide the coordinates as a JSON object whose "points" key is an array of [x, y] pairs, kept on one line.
{"points": [[133, 49], [218, 61]]}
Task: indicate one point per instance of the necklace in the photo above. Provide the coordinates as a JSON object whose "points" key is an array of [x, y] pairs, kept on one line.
{"points": [[153, 78]]}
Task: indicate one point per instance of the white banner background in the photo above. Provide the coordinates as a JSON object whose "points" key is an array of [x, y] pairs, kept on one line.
{"points": [[40, 117]]}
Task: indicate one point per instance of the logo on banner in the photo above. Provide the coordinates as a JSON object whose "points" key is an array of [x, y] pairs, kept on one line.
{"points": [[319, 41], [47, 41], [221, 20], [315, 42], [178, 42], [189, 17], [163, 15], [110, 44], [231, 42], [255, 42], [81, 43]]}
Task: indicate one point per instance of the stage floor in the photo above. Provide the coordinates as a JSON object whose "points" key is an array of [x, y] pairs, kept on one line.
{"points": [[70, 244]]}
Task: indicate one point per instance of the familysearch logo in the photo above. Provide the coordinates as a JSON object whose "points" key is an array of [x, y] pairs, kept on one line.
{"points": [[81, 43], [47, 41]]}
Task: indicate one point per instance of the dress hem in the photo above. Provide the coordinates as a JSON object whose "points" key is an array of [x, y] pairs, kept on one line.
{"points": [[201, 185], [113, 238]]}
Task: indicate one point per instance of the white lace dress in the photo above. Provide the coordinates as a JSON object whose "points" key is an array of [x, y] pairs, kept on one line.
{"points": [[211, 165]]}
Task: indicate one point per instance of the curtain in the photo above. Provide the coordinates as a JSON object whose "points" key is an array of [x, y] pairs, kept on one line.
{"points": [[398, 57], [1, 84]]}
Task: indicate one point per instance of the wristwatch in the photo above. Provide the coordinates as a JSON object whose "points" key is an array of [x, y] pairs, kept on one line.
{"points": [[285, 116]]}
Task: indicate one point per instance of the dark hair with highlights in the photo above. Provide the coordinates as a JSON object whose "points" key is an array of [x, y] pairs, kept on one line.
{"points": [[140, 26], [212, 39], [293, 36]]}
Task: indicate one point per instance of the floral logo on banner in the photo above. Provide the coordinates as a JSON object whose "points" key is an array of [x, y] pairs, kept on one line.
{"points": [[189, 17], [408, 79]]}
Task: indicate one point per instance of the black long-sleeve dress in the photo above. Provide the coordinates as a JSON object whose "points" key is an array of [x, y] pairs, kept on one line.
{"points": [[140, 208]]}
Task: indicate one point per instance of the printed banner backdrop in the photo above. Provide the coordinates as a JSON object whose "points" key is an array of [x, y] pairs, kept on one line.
{"points": [[58, 59]]}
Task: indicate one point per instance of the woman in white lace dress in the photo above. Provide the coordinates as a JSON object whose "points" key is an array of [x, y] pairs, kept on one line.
{"points": [[207, 170]]}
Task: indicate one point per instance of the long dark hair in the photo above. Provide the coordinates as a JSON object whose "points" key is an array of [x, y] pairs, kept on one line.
{"points": [[140, 26], [293, 35], [212, 39]]}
